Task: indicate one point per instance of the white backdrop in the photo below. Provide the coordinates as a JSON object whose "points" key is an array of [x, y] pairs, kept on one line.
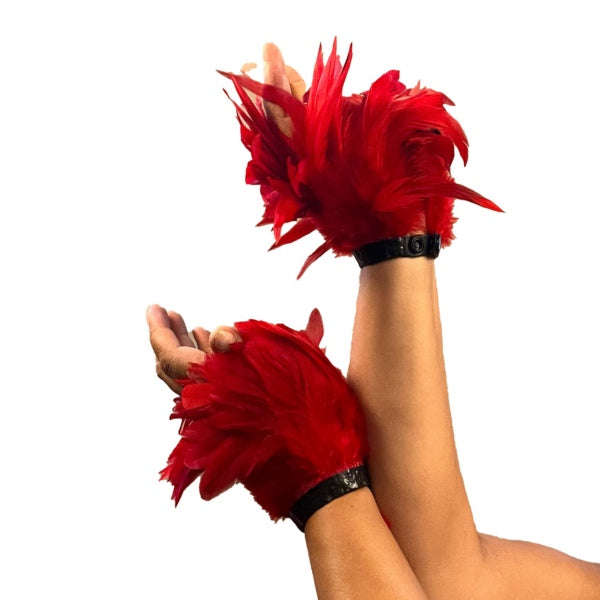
{"points": [[121, 185]]}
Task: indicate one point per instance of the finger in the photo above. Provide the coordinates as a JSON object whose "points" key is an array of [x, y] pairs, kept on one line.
{"points": [[162, 337], [202, 337], [222, 337], [274, 74], [297, 84], [247, 67], [175, 363], [174, 386], [274, 67], [179, 328]]}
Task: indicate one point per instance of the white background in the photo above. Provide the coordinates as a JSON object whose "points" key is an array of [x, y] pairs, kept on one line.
{"points": [[121, 185]]}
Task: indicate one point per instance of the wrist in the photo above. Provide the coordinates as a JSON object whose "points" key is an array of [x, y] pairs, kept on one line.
{"points": [[399, 271], [327, 491], [339, 514]]}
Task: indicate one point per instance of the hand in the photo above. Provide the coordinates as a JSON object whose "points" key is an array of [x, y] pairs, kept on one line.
{"points": [[273, 414], [277, 73], [175, 348]]}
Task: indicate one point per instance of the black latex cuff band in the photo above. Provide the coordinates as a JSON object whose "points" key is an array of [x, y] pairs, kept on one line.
{"points": [[325, 492], [408, 245]]}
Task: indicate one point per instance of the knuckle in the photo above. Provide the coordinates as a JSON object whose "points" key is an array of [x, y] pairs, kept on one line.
{"points": [[169, 367], [166, 369], [159, 372]]}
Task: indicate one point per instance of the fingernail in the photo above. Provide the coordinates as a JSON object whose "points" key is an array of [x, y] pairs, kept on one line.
{"points": [[222, 340]]}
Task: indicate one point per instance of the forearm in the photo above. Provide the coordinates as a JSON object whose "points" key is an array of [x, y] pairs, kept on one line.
{"points": [[353, 555], [397, 368]]}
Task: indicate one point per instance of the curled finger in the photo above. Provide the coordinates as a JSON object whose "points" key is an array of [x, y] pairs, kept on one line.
{"points": [[202, 338], [179, 328]]}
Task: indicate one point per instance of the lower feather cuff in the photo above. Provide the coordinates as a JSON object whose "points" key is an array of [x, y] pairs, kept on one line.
{"points": [[327, 491]]}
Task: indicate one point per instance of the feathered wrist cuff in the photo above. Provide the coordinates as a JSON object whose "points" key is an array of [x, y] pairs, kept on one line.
{"points": [[275, 415], [359, 168]]}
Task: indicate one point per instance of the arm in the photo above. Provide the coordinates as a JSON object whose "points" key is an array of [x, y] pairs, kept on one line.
{"points": [[353, 554], [397, 367]]}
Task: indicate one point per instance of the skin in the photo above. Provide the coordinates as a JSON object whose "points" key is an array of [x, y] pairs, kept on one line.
{"points": [[397, 368], [353, 554]]}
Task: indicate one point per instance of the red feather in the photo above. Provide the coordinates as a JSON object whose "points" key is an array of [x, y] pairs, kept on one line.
{"points": [[273, 414], [356, 168]]}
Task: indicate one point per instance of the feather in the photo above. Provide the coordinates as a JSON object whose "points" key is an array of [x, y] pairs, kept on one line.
{"points": [[272, 413], [356, 168]]}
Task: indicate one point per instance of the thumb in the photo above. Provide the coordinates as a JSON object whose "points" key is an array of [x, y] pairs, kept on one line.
{"points": [[222, 337]]}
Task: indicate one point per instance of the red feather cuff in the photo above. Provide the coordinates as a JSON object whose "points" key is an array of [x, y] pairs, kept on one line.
{"points": [[273, 414], [356, 168]]}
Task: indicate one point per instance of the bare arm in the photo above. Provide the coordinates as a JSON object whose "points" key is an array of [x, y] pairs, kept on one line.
{"points": [[353, 554], [397, 367], [523, 570]]}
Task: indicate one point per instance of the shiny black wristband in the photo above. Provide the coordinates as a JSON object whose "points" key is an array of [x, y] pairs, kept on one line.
{"points": [[325, 492], [411, 246]]}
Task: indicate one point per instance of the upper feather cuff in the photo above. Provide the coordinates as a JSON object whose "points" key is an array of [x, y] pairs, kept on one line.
{"points": [[355, 168]]}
